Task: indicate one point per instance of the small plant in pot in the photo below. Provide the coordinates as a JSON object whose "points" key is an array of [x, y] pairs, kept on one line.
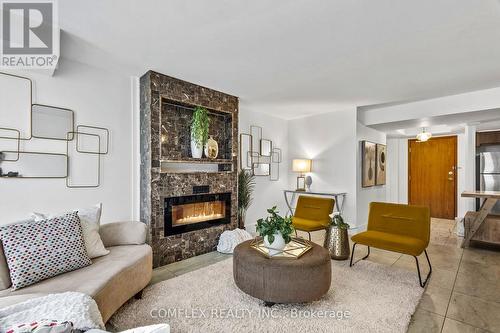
{"points": [[199, 131], [276, 231]]}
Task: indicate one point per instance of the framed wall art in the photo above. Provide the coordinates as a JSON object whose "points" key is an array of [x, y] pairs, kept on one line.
{"points": [[368, 167]]}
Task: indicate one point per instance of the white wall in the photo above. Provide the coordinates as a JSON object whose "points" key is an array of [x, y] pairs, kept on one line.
{"points": [[367, 194], [98, 98], [267, 193], [397, 170], [328, 139]]}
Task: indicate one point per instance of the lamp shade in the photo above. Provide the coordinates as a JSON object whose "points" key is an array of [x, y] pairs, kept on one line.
{"points": [[301, 165]]}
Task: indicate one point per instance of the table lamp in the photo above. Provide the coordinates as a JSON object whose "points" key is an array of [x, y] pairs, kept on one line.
{"points": [[301, 166]]}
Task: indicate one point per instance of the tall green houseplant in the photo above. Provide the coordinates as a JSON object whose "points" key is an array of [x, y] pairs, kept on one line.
{"points": [[199, 131], [246, 184]]}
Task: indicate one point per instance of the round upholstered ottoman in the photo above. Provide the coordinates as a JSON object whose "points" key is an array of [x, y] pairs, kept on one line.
{"points": [[299, 280]]}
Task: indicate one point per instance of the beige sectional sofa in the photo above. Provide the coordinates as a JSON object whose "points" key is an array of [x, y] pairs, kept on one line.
{"points": [[111, 279]]}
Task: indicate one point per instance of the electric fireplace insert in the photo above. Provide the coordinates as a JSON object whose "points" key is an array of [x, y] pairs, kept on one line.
{"points": [[194, 212]]}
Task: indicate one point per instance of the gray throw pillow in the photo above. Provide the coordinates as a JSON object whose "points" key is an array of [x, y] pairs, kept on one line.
{"points": [[36, 251]]}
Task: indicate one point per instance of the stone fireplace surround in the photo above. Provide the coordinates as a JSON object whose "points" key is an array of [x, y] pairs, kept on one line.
{"points": [[157, 184]]}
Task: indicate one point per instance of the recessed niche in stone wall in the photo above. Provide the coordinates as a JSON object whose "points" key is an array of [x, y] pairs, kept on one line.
{"points": [[176, 129]]}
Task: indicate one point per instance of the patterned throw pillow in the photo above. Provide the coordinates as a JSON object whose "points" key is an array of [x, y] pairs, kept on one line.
{"points": [[42, 326], [39, 250]]}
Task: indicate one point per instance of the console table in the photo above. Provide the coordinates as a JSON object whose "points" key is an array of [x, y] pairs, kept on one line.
{"points": [[477, 219], [291, 194]]}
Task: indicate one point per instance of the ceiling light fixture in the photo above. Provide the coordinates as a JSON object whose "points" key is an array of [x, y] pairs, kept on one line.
{"points": [[424, 135]]}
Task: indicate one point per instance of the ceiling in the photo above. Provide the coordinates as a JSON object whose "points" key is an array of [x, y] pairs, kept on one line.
{"points": [[484, 120], [338, 53]]}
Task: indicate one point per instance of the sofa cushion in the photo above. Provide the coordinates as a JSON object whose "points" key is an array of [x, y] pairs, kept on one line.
{"points": [[4, 271], [111, 280], [90, 219], [39, 250], [390, 242], [123, 233]]}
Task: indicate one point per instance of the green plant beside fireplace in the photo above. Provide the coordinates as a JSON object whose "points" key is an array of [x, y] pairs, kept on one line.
{"points": [[274, 223], [199, 126], [246, 184]]}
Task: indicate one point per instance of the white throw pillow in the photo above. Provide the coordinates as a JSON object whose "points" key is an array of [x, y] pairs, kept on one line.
{"points": [[90, 219]]}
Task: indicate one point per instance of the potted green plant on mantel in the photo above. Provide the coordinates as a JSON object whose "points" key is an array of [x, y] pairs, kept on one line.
{"points": [[276, 231], [337, 238], [199, 131]]}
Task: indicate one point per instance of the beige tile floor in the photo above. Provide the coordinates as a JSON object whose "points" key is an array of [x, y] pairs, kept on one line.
{"points": [[463, 293]]}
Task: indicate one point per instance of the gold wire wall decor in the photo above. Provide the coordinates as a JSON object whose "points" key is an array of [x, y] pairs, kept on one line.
{"points": [[263, 162], [93, 128], [98, 154], [50, 115], [30, 101], [36, 153], [18, 143], [41, 118]]}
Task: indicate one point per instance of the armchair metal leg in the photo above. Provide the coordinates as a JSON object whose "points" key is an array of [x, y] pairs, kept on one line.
{"points": [[309, 235], [422, 284], [352, 254]]}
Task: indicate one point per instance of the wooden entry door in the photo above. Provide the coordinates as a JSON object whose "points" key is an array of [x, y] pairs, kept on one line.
{"points": [[432, 176]]}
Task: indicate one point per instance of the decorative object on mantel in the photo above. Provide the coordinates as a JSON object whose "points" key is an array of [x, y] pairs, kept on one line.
{"points": [[49, 122], [275, 230], [302, 166], [259, 155], [211, 148], [368, 152], [199, 131], [337, 239], [246, 184]]}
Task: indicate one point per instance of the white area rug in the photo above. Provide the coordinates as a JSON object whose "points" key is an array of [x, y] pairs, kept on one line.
{"points": [[368, 297]]}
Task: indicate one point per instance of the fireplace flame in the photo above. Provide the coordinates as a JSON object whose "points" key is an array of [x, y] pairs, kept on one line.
{"points": [[199, 218]]}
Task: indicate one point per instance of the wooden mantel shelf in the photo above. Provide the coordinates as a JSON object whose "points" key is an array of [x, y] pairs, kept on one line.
{"points": [[481, 194]]}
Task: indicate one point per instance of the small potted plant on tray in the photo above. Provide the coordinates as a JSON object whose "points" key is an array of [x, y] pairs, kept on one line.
{"points": [[276, 231], [337, 239]]}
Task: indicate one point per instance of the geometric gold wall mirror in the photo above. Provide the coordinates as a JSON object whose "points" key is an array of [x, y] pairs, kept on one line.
{"points": [[245, 146], [10, 145], [84, 169], [259, 155], [35, 164], [261, 169], [51, 122], [103, 138], [22, 121], [15, 105], [266, 147]]}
